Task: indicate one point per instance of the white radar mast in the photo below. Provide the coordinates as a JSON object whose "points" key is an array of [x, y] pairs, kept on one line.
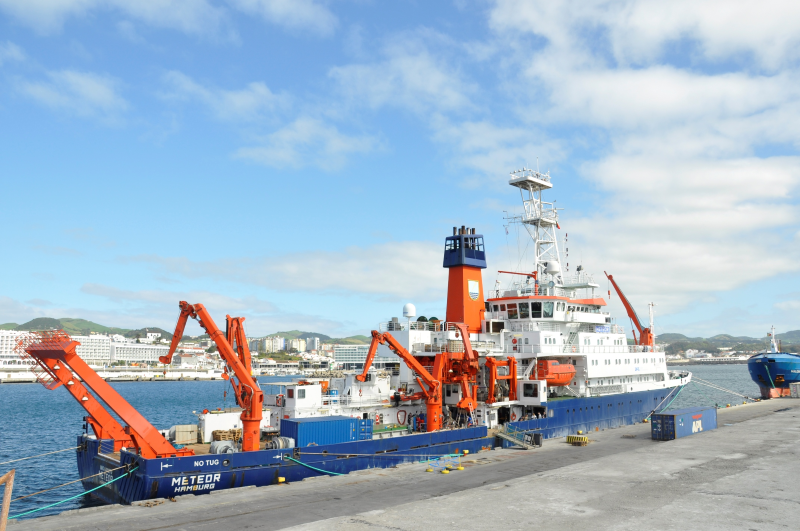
{"points": [[540, 220]]}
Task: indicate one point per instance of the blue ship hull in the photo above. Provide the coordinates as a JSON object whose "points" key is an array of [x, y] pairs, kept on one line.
{"points": [[168, 477], [773, 372]]}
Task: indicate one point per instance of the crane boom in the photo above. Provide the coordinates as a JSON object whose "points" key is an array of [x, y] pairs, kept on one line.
{"points": [[248, 394], [645, 334], [432, 387]]}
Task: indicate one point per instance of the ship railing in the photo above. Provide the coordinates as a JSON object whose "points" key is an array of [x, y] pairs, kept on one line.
{"points": [[533, 326], [425, 326], [642, 348]]}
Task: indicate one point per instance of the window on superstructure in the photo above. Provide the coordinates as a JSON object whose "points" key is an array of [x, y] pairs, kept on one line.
{"points": [[571, 309], [536, 310], [502, 307], [512, 311], [496, 308], [524, 310], [547, 309]]}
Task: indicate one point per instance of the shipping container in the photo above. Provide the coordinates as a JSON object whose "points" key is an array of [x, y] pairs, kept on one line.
{"points": [[670, 425], [316, 431]]}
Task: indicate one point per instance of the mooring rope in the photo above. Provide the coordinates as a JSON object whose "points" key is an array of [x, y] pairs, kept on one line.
{"points": [[718, 387], [315, 468], [65, 484], [73, 497], [40, 455]]}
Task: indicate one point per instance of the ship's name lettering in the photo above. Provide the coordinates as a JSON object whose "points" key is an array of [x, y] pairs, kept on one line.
{"points": [[195, 483]]}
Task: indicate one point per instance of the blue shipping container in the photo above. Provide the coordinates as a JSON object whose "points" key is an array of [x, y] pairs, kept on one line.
{"points": [[316, 431], [365, 429], [682, 422]]}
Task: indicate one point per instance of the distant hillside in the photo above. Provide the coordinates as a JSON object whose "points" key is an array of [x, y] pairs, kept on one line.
{"points": [[352, 340], [69, 325], [142, 332], [297, 334], [9, 326], [679, 342]]}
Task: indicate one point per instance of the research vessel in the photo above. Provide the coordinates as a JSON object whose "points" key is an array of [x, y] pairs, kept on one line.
{"points": [[774, 371], [539, 359]]}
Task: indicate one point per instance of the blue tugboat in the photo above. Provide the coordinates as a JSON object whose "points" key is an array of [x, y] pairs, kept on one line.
{"points": [[774, 370]]}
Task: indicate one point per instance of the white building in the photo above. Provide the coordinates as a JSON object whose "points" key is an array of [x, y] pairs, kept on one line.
{"points": [[8, 341], [312, 343], [297, 344], [353, 357], [137, 352], [94, 349]]}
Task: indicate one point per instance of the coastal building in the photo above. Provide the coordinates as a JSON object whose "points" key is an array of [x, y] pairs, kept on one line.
{"points": [[8, 341], [352, 357], [94, 349], [312, 343], [137, 352]]}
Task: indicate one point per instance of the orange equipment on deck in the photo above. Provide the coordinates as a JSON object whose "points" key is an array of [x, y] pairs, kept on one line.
{"points": [[448, 368], [237, 361], [54, 353], [645, 334], [556, 374], [493, 364]]}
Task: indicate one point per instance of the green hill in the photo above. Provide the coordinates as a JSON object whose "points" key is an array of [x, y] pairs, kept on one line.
{"points": [[352, 340], [69, 325], [9, 326], [298, 334]]}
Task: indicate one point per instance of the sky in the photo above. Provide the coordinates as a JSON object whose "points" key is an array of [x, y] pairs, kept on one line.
{"points": [[300, 162]]}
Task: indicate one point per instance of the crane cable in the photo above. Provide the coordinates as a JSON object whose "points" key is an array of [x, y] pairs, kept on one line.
{"points": [[40, 455]]}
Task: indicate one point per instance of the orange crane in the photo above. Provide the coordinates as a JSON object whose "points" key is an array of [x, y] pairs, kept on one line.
{"points": [[54, 354], [237, 366], [448, 367], [493, 364], [645, 334]]}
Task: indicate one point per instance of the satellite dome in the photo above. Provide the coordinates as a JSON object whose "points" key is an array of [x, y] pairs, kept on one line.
{"points": [[409, 311], [553, 268]]}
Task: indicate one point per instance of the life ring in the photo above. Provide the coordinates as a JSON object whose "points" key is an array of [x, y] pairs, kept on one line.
{"points": [[573, 349], [377, 418], [514, 340], [405, 416], [513, 416], [278, 400]]}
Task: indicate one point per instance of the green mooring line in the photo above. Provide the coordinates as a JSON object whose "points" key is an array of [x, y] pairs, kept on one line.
{"points": [[73, 497], [314, 468], [770, 376]]}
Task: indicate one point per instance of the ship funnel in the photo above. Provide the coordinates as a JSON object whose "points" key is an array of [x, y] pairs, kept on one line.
{"points": [[465, 257]]}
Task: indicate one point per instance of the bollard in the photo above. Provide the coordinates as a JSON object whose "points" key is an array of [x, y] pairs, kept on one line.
{"points": [[6, 479]]}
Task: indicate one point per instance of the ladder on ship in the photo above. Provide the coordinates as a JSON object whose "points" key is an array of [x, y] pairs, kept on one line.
{"points": [[571, 344]]}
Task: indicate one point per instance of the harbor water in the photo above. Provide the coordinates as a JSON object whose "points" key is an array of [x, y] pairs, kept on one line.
{"points": [[34, 420]]}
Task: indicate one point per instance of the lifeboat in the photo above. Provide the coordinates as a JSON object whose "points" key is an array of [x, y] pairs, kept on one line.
{"points": [[557, 374]]}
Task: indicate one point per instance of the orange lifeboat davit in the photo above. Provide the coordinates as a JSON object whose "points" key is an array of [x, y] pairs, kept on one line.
{"points": [[557, 374]]}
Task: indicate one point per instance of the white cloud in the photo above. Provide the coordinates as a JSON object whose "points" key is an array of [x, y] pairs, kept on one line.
{"points": [[788, 306], [408, 76], [307, 142], [644, 31], [81, 93], [392, 271], [308, 16], [10, 52], [48, 16], [254, 102]]}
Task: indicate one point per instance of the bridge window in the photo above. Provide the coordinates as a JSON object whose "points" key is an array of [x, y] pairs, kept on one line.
{"points": [[502, 307], [571, 309], [301, 393], [512, 311], [547, 309], [496, 308], [530, 390], [536, 310], [524, 310]]}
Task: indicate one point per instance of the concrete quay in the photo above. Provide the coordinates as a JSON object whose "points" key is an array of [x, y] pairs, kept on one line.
{"points": [[739, 476]]}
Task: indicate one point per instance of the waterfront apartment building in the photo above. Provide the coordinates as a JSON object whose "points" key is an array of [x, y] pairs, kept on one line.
{"points": [[94, 349], [312, 343], [8, 341], [137, 352], [352, 357]]}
